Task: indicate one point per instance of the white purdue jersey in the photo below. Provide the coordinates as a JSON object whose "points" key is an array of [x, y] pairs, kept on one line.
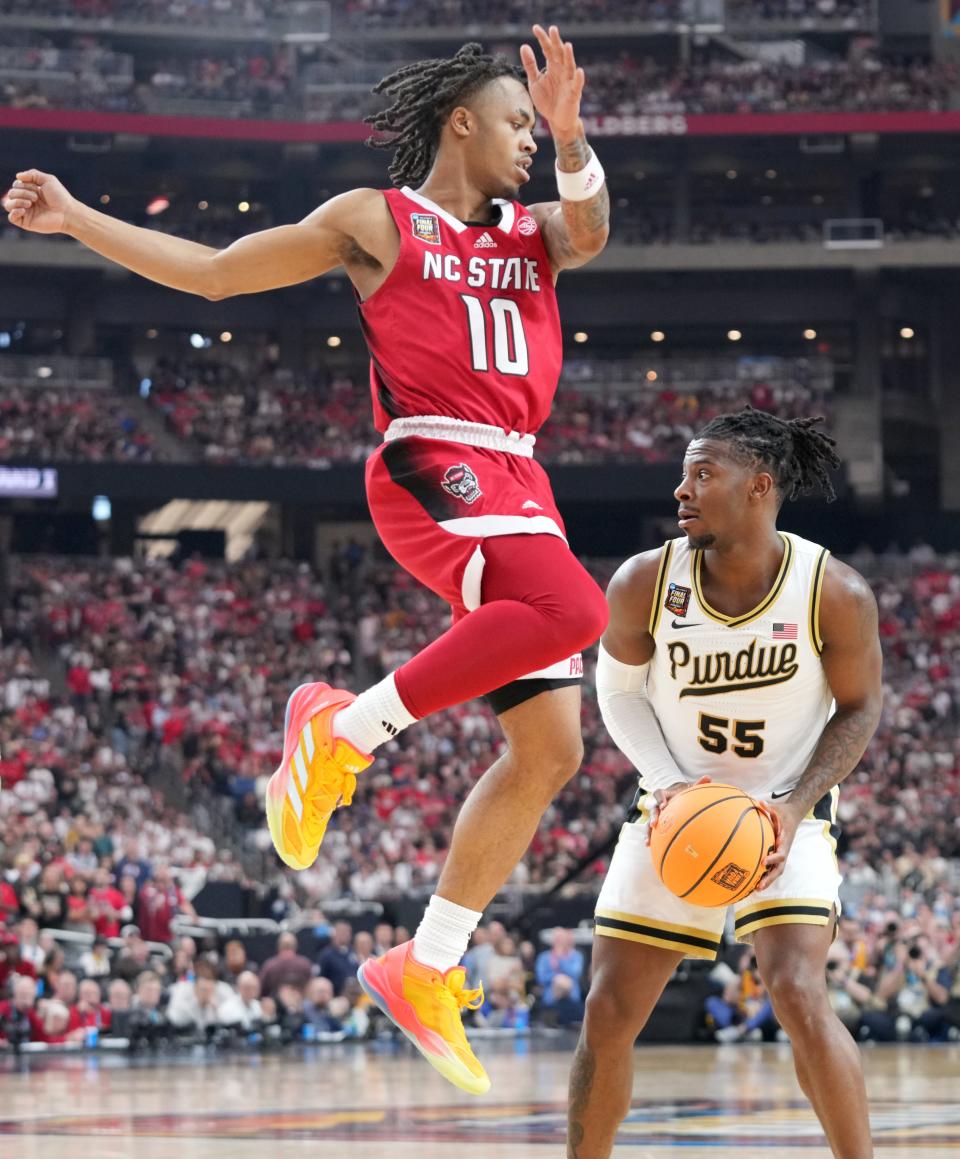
{"points": [[741, 699]]}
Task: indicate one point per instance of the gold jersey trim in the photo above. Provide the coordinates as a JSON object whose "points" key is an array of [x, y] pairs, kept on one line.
{"points": [[816, 590], [657, 608], [696, 563]]}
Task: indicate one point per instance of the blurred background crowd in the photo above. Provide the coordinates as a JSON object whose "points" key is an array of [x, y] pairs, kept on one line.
{"points": [[141, 717]]}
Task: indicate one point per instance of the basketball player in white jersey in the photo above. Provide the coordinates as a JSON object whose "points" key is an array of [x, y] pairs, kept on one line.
{"points": [[746, 655]]}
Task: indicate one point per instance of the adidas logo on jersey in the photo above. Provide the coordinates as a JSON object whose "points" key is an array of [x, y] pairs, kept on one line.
{"points": [[485, 242]]}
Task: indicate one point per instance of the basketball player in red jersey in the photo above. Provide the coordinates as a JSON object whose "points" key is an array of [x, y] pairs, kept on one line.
{"points": [[455, 281]]}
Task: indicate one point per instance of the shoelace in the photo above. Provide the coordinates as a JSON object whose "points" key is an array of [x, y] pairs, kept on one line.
{"points": [[317, 806], [464, 999]]}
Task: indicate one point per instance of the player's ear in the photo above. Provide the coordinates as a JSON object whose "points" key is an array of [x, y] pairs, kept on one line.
{"points": [[461, 121], [763, 486]]}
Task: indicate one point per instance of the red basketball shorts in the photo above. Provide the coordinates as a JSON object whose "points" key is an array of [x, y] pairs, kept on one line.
{"points": [[434, 502]]}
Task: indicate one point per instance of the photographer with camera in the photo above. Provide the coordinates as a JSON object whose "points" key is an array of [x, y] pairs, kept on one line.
{"points": [[941, 1021]]}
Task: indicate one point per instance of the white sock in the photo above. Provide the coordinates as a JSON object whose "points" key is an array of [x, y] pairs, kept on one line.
{"points": [[442, 937], [375, 717]]}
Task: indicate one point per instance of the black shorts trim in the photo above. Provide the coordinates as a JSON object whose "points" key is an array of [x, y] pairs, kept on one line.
{"points": [[784, 910], [655, 931], [518, 691]]}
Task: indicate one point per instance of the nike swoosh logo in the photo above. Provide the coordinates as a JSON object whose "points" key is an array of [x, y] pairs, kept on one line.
{"points": [[776, 796], [676, 625]]}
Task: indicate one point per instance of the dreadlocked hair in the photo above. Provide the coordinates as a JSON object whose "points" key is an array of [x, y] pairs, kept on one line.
{"points": [[797, 455], [423, 95]]}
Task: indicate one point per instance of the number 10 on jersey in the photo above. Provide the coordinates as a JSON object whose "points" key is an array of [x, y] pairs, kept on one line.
{"points": [[501, 316]]}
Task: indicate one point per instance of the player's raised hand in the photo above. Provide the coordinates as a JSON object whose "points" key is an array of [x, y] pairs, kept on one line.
{"points": [[556, 88], [37, 202]]}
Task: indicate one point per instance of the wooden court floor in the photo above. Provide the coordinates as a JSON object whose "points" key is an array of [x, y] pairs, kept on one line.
{"points": [[356, 1103]]}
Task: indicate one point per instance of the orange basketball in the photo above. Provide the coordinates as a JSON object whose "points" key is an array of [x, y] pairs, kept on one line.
{"points": [[709, 843]]}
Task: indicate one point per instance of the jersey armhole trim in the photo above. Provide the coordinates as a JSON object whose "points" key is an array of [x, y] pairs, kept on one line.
{"points": [[662, 573], [816, 591]]}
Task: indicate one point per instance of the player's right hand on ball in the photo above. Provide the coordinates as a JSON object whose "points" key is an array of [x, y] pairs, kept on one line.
{"points": [[663, 796], [37, 202]]}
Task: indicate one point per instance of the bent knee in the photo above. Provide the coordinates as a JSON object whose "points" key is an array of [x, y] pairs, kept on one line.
{"points": [[588, 614], [555, 758]]}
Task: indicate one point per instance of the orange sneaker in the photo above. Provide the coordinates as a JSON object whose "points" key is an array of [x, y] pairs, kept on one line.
{"points": [[318, 773], [426, 1005]]}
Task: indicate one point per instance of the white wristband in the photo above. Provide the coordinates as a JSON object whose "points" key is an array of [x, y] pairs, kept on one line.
{"points": [[583, 184]]}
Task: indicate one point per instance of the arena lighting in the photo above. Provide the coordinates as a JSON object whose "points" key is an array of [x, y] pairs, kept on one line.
{"points": [[907, 331], [657, 336], [581, 336], [334, 340], [244, 207], [651, 376], [226, 336], [158, 205], [196, 341], [44, 371], [734, 335], [809, 334]]}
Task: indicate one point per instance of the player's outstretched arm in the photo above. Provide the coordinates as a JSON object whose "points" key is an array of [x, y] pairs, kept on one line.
{"points": [[853, 664], [575, 229], [39, 203]]}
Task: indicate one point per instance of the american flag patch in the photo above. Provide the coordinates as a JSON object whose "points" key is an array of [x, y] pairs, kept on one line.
{"points": [[784, 631]]}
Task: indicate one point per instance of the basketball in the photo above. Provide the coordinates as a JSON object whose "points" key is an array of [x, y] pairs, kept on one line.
{"points": [[709, 844]]}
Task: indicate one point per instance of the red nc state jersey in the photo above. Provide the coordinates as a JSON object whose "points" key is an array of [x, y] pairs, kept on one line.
{"points": [[466, 323]]}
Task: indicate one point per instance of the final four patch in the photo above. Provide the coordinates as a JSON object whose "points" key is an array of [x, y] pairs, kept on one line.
{"points": [[426, 227], [678, 600]]}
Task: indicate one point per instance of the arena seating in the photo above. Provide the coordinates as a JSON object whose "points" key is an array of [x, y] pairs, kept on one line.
{"points": [[180, 672], [264, 81]]}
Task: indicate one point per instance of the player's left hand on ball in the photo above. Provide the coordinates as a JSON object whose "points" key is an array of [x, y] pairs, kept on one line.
{"points": [[556, 89], [664, 796], [784, 830]]}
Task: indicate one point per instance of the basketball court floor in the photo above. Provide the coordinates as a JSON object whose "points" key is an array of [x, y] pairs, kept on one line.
{"points": [[346, 1101]]}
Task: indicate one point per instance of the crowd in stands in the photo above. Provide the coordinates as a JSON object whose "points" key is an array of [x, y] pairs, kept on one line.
{"points": [[52, 423], [187, 12], [120, 676], [263, 81], [276, 417], [244, 414], [373, 14]]}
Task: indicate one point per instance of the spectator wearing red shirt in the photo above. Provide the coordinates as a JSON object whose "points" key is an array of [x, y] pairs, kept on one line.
{"points": [[11, 963], [9, 903], [90, 1011], [55, 1023], [285, 968], [160, 902], [110, 909]]}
